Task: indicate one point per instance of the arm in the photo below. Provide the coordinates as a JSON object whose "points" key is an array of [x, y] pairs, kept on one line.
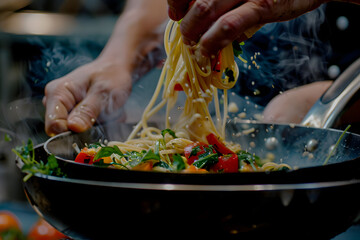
{"points": [[216, 23], [74, 101]]}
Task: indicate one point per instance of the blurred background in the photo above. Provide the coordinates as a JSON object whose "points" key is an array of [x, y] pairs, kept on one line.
{"points": [[41, 40]]}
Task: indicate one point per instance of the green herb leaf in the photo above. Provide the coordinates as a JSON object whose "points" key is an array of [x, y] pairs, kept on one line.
{"points": [[237, 49], [178, 162], [161, 164], [27, 154], [336, 145], [169, 131], [108, 151], [7, 138], [230, 74], [150, 155], [206, 161]]}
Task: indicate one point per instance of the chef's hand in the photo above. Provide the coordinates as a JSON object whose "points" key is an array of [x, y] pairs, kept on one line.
{"points": [[76, 100], [292, 105], [216, 23]]}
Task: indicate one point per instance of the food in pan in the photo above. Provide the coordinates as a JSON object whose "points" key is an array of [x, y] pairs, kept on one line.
{"points": [[166, 152], [194, 143]]}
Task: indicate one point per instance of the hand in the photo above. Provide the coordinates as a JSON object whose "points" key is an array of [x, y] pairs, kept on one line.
{"points": [[292, 105], [74, 101], [216, 23]]}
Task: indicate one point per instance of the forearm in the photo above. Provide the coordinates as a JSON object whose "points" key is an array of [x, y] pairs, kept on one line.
{"points": [[138, 22]]}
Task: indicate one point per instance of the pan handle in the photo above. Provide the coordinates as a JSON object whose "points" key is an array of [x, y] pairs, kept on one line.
{"points": [[333, 102]]}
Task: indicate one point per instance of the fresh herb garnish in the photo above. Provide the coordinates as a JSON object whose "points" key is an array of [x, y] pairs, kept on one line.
{"points": [[107, 152], [7, 138], [249, 158], [230, 74], [150, 155], [169, 131], [31, 166], [178, 162], [237, 48], [336, 145], [206, 160]]}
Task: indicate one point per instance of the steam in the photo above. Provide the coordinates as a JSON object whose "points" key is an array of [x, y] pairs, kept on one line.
{"points": [[291, 54], [57, 58]]}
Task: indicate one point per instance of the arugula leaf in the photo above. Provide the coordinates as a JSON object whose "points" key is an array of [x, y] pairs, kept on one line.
{"points": [[27, 154], [150, 155], [237, 48], [161, 164], [169, 131], [230, 74], [178, 162], [159, 145], [108, 151], [7, 138], [206, 160]]}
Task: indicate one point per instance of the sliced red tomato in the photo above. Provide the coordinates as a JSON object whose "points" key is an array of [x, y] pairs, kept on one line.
{"points": [[86, 155], [194, 150], [218, 145], [227, 164], [216, 63], [178, 87]]}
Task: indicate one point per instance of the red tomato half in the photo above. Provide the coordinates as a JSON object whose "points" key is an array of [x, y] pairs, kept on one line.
{"points": [[217, 144], [86, 155], [192, 151], [227, 163]]}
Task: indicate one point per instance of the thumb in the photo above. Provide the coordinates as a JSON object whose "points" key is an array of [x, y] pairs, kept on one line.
{"points": [[84, 115]]}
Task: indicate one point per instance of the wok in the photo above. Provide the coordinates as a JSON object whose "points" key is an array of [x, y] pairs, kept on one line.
{"points": [[313, 201]]}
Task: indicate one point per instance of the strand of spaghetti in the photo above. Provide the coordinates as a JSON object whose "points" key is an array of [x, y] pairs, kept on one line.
{"points": [[196, 88], [225, 113], [142, 123], [217, 107]]}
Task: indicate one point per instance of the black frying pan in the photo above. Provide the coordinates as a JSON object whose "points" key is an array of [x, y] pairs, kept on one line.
{"points": [[313, 201]]}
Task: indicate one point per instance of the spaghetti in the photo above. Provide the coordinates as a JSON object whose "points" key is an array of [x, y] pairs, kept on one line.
{"points": [[194, 143]]}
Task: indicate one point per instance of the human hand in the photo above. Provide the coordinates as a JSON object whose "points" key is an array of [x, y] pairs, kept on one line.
{"points": [[292, 105], [74, 101], [216, 23]]}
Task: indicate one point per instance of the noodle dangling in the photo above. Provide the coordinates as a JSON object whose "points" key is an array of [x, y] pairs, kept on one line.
{"points": [[194, 142], [184, 68]]}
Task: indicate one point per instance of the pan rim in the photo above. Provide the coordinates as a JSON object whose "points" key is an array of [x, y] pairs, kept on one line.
{"points": [[203, 187]]}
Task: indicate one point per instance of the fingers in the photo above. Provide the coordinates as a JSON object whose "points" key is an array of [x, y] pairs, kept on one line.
{"points": [[84, 115], [178, 8], [229, 27], [201, 17], [58, 101]]}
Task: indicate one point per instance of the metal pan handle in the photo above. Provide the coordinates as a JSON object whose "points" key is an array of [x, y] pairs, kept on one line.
{"points": [[333, 102]]}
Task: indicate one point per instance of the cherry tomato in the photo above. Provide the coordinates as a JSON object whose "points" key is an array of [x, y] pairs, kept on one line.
{"points": [[44, 231], [227, 163], [192, 151], [8, 220], [86, 155], [218, 145]]}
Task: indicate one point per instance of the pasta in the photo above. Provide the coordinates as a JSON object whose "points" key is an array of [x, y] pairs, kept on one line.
{"points": [[194, 142], [186, 69]]}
